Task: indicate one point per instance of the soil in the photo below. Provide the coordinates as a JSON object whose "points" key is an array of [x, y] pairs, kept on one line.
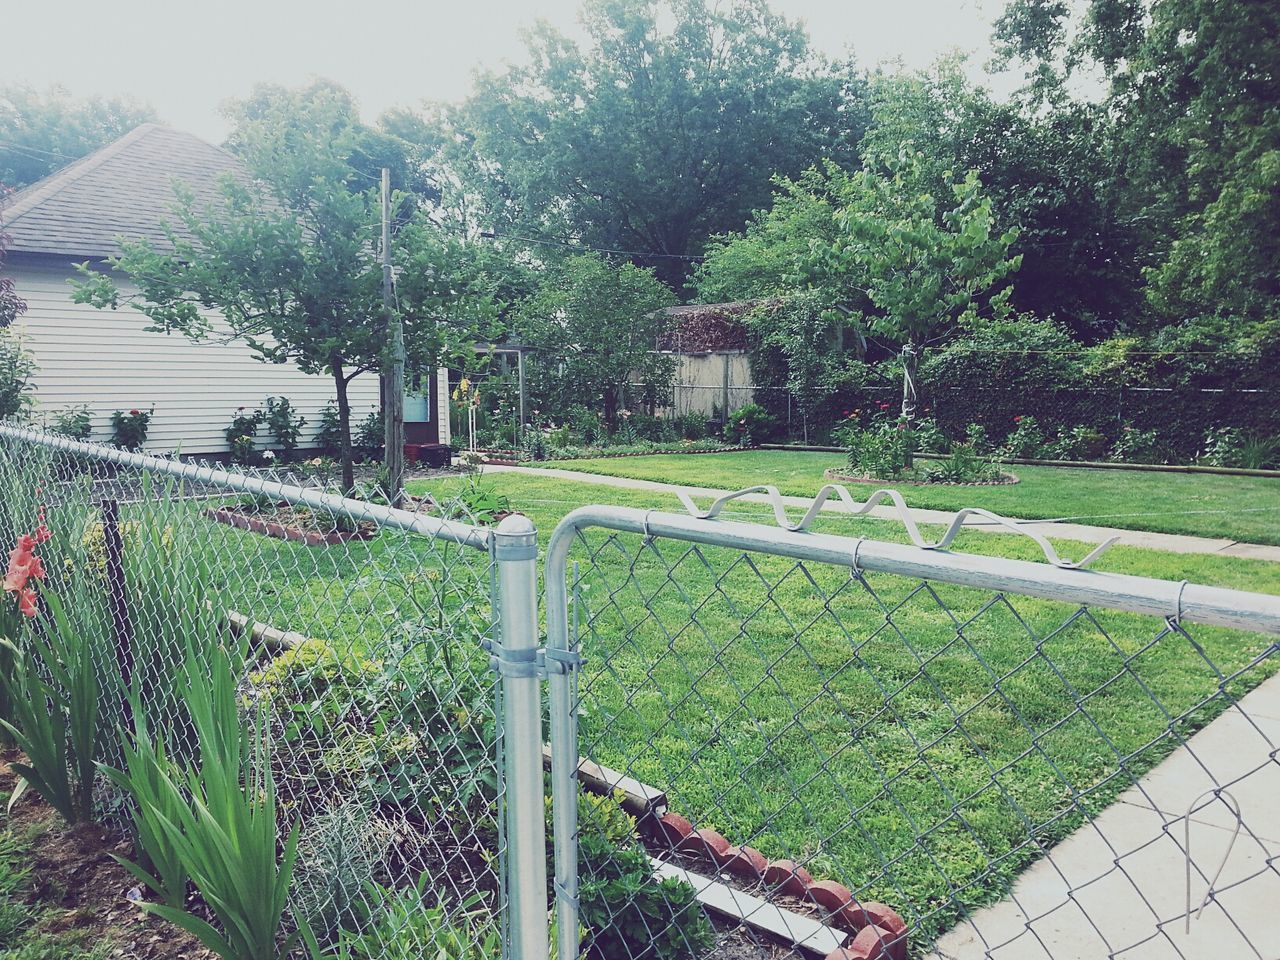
{"points": [[83, 891]]}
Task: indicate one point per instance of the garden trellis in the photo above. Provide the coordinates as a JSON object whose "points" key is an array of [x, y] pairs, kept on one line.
{"points": [[763, 739]]}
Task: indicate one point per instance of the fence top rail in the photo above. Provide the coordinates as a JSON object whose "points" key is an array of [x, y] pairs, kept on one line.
{"points": [[454, 531], [1171, 600]]}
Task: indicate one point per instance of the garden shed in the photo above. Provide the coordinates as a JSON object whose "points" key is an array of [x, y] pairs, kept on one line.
{"points": [[108, 360], [713, 370]]}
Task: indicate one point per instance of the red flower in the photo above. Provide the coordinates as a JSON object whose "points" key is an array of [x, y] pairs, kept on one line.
{"points": [[135, 413], [1017, 419], [42, 534], [27, 602]]}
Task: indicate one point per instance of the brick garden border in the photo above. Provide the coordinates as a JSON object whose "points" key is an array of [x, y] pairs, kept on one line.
{"points": [[879, 932]]}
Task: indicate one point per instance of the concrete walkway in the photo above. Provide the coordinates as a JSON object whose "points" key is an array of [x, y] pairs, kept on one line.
{"points": [[1172, 542], [1118, 885]]}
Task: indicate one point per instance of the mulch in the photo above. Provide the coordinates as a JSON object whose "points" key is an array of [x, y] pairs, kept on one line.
{"points": [[82, 890]]}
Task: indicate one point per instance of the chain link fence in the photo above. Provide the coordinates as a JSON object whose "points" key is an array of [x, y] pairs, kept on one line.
{"points": [[833, 746], [359, 641], [764, 740]]}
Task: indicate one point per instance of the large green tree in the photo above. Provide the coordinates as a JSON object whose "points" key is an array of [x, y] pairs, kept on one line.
{"points": [[662, 129], [1192, 85], [894, 257], [595, 326], [1051, 173], [289, 257], [40, 132]]}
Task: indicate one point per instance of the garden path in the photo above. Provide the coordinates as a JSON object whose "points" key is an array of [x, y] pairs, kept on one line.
{"points": [[1082, 533], [1121, 879]]}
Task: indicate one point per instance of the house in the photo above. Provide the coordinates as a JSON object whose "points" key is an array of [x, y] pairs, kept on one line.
{"points": [[107, 360], [713, 369]]}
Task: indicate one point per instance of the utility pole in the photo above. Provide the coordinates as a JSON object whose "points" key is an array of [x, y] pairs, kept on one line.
{"points": [[392, 364]]}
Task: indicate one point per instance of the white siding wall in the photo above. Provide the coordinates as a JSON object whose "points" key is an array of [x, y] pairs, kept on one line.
{"points": [[107, 360]]}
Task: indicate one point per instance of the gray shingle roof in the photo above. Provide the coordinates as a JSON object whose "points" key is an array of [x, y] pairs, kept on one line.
{"points": [[124, 189]]}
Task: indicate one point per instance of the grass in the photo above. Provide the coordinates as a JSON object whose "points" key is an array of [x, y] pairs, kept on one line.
{"points": [[21, 933], [1206, 505], [914, 742]]}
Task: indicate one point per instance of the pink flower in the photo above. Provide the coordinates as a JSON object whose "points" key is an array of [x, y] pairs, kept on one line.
{"points": [[27, 602]]}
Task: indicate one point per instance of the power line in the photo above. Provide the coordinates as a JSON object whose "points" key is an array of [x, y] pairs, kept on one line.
{"points": [[574, 244], [31, 152]]}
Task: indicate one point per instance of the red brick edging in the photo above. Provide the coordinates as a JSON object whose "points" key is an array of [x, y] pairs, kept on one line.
{"points": [[880, 933], [269, 528]]}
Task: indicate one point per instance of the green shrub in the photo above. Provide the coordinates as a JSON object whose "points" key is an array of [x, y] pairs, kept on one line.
{"points": [[1079, 443], [129, 430], [976, 436], [329, 433], [285, 425], [17, 367], [962, 465], [1027, 441], [1232, 447], [1138, 446], [406, 926], [337, 859], [748, 425], [629, 912], [369, 437], [879, 451], [692, 426], [74, 422], [242, 436], [928, 436]]}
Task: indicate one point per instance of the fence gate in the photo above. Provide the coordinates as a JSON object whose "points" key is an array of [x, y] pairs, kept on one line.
{"points": [[849, 747]]}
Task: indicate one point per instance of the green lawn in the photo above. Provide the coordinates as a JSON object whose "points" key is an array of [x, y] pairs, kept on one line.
{"points": [[906, 740], [1207, 505]]}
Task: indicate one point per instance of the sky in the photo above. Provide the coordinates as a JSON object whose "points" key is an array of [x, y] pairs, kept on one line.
{"points": [[186, 58]]}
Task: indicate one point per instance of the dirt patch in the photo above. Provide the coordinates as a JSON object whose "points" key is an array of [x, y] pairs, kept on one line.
{"points": [[85, 894]]}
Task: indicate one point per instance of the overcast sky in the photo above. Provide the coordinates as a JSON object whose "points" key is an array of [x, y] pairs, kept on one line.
{"points": [[186, 57]]}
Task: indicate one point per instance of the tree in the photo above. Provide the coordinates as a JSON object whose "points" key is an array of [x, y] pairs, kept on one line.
{"points": [[289, 257], [664, 129], [12, 306], [595, 326], [40, 132], [1051, 173], [893, 262], [1192, 87]]}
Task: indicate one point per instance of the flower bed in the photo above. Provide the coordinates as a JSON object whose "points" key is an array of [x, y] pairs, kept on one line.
{"points": [[285, 522], [1004, 479], [512, 458]]}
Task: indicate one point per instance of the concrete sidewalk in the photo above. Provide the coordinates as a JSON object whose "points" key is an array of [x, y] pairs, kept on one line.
{"points": [[1118, 885], [1171, 542]]}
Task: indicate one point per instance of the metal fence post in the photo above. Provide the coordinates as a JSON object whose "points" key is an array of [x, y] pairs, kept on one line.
{"points": [[515, 549]]}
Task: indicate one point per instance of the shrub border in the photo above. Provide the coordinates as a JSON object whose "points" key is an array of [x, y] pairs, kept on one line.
{"points": [[1006, 480], [1084, 464]]}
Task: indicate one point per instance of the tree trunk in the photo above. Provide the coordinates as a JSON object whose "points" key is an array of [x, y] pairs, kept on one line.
{"points": [[610, 408], [344, 430]]}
